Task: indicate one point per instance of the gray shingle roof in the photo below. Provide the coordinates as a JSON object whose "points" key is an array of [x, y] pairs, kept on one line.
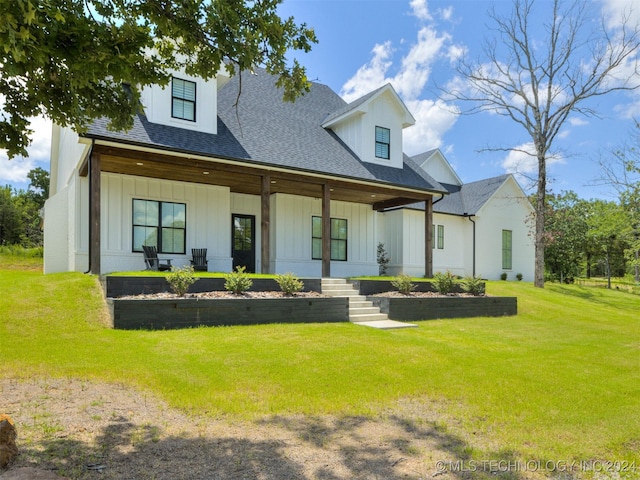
{"points": [[262, 129], [467, 199]]}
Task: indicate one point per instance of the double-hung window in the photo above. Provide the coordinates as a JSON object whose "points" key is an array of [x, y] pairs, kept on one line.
{"points": [[183, 99], [383, 139], [507, 249], [338, 238], [159, 224]]}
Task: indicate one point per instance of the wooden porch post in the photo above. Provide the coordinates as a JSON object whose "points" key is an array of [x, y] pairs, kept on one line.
{"points": [[265, 223], [428, 238], [94, 214], [326, 231]]}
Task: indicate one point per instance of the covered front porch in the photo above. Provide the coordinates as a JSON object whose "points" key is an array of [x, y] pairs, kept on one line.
{"points": [[264, 185]]}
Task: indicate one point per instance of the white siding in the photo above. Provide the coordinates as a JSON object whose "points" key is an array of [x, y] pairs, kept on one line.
{"points": [[157, 105], [56, 233], [506, 210], [208, 220], [291, 244]]}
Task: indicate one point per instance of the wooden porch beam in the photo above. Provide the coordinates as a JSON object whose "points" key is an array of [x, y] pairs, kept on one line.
{"points": [[265, 224], [326, 231], [393, 202], [428, 238], [94, 214]]}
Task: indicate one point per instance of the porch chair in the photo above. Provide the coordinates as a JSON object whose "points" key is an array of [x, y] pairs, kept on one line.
{"points": [[199, 260], [152, 261]]}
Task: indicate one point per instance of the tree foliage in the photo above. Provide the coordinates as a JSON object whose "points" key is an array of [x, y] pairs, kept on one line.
{"points": [[537, 82], [621, 169], [20, 221], [67, 60], [565, 235]]}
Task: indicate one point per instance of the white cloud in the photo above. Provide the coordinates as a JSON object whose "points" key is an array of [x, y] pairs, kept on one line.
{"points": [[578, 121], [433, 120], [369, 76], [522, 162], [16, 170], [433, 117], [420, 9]]}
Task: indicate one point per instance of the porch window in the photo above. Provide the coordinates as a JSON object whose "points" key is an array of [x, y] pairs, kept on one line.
{"points": [[383, 146], [507, 249], [159, 224], [183, 99], [338, 239]]}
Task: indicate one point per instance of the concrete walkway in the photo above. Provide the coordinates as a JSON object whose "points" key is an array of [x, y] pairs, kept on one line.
{"points": [[386, 324]]}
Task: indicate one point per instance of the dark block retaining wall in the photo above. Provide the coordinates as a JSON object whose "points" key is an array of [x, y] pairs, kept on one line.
{"points": [[192, 312], [431, 308], [114, 286], [371, 287]]}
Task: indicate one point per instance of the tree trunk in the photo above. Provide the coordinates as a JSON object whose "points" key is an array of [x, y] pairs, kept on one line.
{"points": [[540, 211]]}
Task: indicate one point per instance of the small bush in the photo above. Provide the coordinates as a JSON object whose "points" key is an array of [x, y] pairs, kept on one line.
{"points": [[383, 259], [289, 283], [444, 282], [403, 284], [238, 282], [519, 277], [473, 286], [180, 279], [503, 276]]}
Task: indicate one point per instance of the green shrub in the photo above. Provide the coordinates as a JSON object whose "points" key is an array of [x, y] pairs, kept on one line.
{"points": [[503, 276], [180, 279], [238, 282], [403, 284], [444, 282], [473, 286], [519, 277], [289, 283]]}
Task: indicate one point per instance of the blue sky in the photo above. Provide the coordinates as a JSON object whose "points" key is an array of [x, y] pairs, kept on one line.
{"points": [[414, 44]]}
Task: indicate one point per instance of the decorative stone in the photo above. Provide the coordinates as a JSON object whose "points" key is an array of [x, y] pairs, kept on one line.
{"points": [[8, 435]]}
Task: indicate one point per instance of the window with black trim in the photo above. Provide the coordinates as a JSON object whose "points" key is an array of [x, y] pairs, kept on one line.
{"points": [[507, 249], [159, 224], [383, 139], [183, 99], [338, 239]]}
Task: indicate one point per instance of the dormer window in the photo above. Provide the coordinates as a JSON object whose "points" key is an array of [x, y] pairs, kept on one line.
{"points": [[383, 136], [183, 99]]}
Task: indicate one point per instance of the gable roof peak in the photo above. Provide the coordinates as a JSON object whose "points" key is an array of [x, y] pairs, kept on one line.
{"points": [[359, 106]]}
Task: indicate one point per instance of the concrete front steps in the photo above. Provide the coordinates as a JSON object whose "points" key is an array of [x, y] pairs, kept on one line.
{"points": [[361, 311]]}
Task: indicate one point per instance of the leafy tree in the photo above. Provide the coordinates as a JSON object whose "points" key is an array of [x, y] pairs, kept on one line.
{"points": [[68, 59], [621, 169], [565, 234], [10, 218], [538, 82], [609, 232]]}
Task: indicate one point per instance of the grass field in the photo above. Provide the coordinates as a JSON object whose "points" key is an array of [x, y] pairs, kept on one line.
{"points": [[559, 382]]}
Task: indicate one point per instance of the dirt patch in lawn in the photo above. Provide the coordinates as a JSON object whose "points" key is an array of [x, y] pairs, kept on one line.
{"points": [[87, 430]]}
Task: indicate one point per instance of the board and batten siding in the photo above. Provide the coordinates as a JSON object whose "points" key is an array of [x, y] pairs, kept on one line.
{"points": [[506, 210], [291, 236], [208, 220]]}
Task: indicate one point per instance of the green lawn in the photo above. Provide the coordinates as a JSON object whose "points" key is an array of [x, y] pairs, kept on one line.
{"points": [[561, 381]]}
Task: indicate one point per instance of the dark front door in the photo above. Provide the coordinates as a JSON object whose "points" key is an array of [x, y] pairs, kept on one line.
{"points": [[243, 245]]}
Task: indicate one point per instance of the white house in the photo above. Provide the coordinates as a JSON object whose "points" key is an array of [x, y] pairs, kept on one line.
{"points": [[309, 187]]}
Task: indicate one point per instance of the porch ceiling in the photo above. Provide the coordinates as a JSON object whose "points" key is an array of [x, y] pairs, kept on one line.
{"points": [[247, 179]]}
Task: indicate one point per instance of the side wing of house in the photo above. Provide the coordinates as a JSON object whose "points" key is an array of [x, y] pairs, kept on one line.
{"points": [[504, 243]]}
